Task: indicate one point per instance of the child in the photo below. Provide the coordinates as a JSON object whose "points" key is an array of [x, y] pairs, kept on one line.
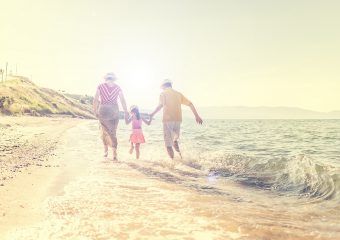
{"points": [[136, 137]]}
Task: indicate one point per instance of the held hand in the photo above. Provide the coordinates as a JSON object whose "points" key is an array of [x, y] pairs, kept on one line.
{"points": [[199, 120], [148, 120]]}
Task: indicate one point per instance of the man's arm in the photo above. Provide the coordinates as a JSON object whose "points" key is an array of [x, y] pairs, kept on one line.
{"points": [[158, 108], [193, 109], [185, 101]]}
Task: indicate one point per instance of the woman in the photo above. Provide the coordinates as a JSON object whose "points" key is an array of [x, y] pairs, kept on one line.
{"points": [[106, 109]]}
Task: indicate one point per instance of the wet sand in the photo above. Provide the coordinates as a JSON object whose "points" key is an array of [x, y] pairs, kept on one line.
{"points": [[79, 197], [27, 166], [28, 141], [91, 197]]}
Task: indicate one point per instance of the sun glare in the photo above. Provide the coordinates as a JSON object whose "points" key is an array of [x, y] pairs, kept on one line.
{"points": [[139, 79]]}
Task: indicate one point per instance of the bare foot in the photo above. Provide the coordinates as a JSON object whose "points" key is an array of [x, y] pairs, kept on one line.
{"points": [[131, 150]]}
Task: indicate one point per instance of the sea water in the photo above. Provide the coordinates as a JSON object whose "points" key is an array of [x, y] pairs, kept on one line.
{"points": [[238, 179]]}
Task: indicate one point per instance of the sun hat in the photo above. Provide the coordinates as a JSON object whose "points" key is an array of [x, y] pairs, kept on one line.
{"points": [[110, 76], [166, 81]]}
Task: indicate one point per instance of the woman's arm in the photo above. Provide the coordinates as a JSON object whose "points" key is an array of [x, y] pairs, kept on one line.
{"points": [[123, 102], [96, 103]]}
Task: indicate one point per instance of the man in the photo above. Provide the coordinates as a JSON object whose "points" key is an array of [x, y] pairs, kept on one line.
{"points": [[171, 101]]}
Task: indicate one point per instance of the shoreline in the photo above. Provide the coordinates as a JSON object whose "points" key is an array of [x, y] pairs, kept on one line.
{"points": [[83, 195]]}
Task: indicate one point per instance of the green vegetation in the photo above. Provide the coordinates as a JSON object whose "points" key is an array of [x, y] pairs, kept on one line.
{"points": [[19, 96]]}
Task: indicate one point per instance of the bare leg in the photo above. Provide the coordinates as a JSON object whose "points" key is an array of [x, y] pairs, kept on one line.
{"points": [[106, 150], [170, 152], [114, 138], [176, 146], [137, 150], [114, 151], [109, 131], [131, 148]]}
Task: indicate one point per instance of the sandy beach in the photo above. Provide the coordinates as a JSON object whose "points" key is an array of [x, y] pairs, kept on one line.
{"points": [[64, 189], [28, 141], [60, 199], [27, 167]]}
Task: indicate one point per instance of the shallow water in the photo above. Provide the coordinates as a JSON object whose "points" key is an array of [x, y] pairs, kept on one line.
{"points": [[239, 179]]}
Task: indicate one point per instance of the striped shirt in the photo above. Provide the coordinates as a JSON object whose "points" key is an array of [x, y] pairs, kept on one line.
{"points": [[108, 94]]}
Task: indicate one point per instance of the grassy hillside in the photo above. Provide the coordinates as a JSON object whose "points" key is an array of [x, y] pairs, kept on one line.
{"points": [[19, 95]]}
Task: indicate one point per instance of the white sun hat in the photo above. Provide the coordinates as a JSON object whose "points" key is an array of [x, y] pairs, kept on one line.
{"points": [[110, 76], [165, 81]]}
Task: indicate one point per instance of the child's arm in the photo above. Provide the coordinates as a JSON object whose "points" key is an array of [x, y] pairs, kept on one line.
{"points": [[148, 122], [128, 120]]}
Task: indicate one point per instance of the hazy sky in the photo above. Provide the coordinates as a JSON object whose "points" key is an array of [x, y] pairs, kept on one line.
{"points": [[217, 52]]}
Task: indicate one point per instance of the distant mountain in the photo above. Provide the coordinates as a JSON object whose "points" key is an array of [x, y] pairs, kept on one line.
{"points": [[262, 113], [19, 95]]}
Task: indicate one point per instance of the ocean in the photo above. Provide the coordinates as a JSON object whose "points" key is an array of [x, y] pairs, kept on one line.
{"points": [[298, 158], [238, 179]]}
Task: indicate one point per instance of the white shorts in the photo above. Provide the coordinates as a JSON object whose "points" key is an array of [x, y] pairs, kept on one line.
{"points": [[171, 131]]}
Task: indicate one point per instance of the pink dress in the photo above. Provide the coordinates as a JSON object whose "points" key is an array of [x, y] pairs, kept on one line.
{"points": [[137, 133]]}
